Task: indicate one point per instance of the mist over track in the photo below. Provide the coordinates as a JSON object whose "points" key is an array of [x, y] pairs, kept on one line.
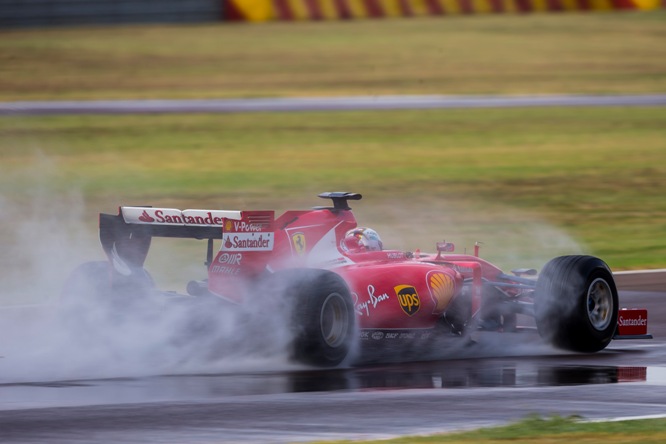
{"points": [[626, 380], [350, 103]]}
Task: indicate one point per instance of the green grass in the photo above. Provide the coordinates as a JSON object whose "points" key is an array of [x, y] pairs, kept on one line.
{"points": [[529, 183], [505, 54], [553, 430]]}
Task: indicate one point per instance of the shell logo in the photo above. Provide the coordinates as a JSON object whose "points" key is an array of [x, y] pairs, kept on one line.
{"points": [[442, 288]]}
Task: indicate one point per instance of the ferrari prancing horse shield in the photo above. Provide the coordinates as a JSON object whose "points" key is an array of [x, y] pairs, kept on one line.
{"points": [[298, 239]]}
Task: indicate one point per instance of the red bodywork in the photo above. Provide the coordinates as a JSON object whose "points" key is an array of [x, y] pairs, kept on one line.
{"points": [[391, 289]]}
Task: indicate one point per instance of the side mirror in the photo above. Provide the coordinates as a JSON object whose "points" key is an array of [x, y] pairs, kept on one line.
{"points": [[445, 247]]}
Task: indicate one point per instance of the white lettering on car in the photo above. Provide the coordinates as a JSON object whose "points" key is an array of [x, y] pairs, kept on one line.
{"points": [[372, 301], [221, 269], [230, 258], [632, 322], [247, 242], [246, 227]]}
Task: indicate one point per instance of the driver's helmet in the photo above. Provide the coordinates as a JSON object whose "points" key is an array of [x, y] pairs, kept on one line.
{"points": [[365, 238]]}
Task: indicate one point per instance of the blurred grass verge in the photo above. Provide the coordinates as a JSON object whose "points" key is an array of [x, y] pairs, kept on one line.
{"points": [[553, 430], [484, 54], [529, 183]]}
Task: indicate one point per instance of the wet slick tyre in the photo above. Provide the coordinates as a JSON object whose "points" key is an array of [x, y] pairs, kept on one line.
{"points": [[89, 299], [576, 303], [323, 318], [86, 290]]}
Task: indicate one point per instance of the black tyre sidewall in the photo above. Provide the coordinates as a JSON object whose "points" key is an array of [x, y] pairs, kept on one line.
{"points": [[85, 293], [308, 292], [561, 303], [92, 295]]}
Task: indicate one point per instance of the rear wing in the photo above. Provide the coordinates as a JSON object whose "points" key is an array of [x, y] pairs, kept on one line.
{"points": [[126, 237]]}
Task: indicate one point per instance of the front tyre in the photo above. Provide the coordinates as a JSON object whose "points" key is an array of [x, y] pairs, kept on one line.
{"points": [[576, 303], [323, 318]]}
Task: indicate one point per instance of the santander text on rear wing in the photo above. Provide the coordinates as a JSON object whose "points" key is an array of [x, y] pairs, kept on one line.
{"points": [[175, 217], [126, 236]]}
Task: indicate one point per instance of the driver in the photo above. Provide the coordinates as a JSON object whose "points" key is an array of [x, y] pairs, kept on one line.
{"points": [[364, 239]]}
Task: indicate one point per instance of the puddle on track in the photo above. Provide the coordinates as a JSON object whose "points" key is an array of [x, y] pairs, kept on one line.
{"points": [[429, 375]]}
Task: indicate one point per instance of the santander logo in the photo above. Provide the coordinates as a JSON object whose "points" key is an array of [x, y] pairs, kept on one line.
{"points": [[145, 217], [628, 322], [173, 216], [247, 242]]}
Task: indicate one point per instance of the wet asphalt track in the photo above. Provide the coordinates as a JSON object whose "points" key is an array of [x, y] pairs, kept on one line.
{"points": [[321, 104], [627, 379]]}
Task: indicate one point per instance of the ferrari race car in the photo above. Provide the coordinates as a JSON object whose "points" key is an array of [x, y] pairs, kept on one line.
{"points": [[346, 294]]}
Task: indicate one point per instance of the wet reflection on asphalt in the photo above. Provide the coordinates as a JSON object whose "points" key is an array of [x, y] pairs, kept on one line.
{"points": [[420, 375]]}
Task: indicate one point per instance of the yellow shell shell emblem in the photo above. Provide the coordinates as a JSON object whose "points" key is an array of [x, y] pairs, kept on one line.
{"points": [[442, 289]]}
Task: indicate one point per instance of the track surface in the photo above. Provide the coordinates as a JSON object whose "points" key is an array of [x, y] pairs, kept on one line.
{"points": [[321, 104], [625, 380]]}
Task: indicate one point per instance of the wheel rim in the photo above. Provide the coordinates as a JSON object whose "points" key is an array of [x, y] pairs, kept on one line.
{"points": [[334, 320], [599, 304]]}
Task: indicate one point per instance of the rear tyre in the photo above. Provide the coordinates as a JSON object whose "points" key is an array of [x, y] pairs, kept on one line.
{"points": [[323, 318], [86, 291], [90, 296], [88, 280], [576, 303]]}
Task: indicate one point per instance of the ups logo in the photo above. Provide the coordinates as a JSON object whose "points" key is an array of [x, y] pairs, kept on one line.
{"points": [[408, 299]]}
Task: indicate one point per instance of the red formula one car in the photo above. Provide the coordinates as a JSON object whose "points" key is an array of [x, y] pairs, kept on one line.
{"points": [[348, 296]]}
